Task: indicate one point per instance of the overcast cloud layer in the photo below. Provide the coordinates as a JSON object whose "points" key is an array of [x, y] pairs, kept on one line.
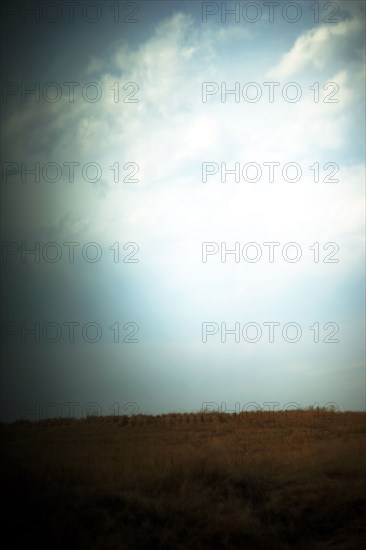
{"points": [[172, 138]]}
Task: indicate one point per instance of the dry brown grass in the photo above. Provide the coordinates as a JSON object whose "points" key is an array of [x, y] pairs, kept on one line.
{"points": [[199, 481]]}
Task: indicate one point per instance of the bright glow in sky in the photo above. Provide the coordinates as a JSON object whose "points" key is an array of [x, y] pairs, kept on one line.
{"points": [[171, 136]]}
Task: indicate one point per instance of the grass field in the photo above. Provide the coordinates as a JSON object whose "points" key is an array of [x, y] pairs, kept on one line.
{"points": [[199, 481]]}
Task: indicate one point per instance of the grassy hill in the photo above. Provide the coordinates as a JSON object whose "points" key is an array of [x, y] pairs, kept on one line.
{"points": [[200, 481]]}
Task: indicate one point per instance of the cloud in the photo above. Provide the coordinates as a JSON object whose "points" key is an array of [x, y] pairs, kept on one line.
{"points": [[169, 133], [320, 47], [170, 211]]}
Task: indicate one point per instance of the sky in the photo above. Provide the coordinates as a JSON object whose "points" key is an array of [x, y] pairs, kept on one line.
{"points": [[190, 177]]}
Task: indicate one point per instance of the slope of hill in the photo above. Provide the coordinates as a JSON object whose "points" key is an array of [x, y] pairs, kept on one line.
{"points": [[199, 481]]}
